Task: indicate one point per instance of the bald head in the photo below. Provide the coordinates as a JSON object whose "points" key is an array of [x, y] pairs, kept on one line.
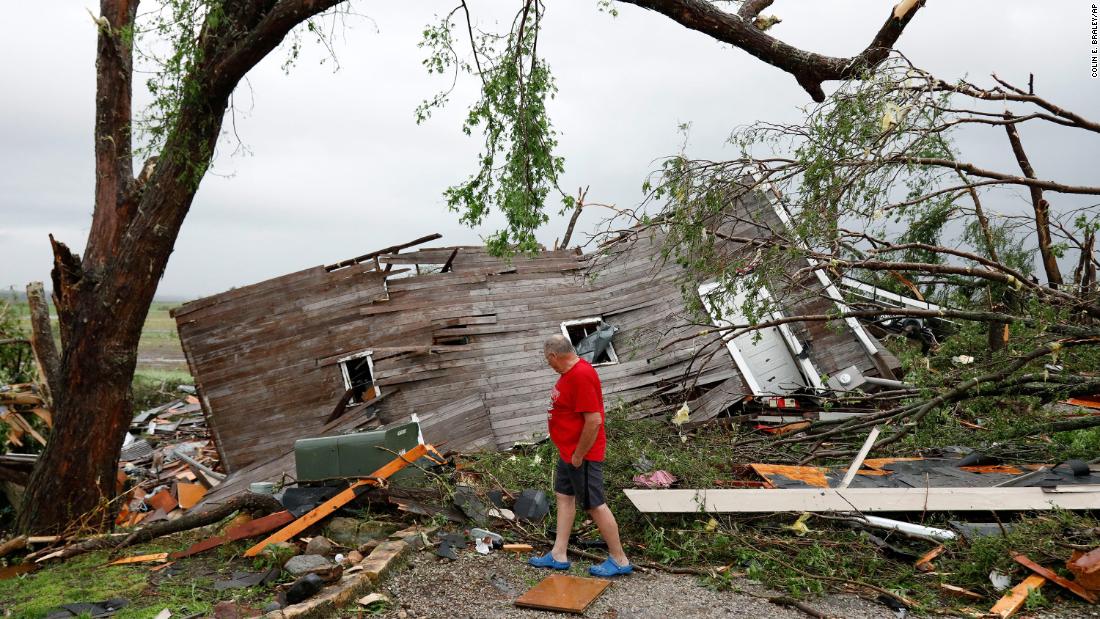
{"points": [[558, 345], [559, 353]]}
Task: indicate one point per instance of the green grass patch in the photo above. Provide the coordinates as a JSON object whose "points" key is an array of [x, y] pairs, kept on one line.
{"points": [[87, 578]]}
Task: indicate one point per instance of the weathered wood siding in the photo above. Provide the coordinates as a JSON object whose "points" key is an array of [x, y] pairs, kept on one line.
{"points": [[266, 357]]}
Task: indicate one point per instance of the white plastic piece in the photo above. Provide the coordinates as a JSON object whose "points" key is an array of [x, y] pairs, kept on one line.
{"points": [[918, 530]]}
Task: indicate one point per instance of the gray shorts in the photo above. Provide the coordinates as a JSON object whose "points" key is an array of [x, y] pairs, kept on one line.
{"points": [[585, 483]]}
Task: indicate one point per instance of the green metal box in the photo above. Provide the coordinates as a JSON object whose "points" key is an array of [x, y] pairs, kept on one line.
{"points": [[352, 455]]}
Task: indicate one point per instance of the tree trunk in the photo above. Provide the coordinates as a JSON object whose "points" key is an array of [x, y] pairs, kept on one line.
{"points": [[102, 300], [42, 344]]}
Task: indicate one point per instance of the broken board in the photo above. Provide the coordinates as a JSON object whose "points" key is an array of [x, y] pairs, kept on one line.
{"points": [[754, 500], [249, 529], [563, 593]]}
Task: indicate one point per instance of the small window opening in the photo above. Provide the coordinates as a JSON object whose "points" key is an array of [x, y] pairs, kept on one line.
{"points": [[359, 378], [592, 339], [450, 340]]}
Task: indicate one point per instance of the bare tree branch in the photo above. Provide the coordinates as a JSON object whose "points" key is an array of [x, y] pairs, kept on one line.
{"points": [[808, 68]]}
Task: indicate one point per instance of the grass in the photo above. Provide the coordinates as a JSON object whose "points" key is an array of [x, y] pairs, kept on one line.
{"points": [[87, 578]]}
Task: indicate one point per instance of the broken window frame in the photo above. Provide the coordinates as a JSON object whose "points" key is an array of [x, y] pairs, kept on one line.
{"points": [[794, 346], [831, 291], [594, 321], [343, 363]]}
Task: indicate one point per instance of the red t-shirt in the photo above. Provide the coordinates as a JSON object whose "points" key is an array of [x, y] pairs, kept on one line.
{"points": [[577, 392]]}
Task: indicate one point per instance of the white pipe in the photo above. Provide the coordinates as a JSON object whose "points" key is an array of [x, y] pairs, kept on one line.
{"points": [[941, 535]]}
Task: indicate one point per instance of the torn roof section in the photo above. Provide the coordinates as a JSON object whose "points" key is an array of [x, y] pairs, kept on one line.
{"points": [[455, 336]]}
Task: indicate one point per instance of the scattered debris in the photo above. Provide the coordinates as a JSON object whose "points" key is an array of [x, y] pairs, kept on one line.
{"points": [[656, 479], [1073, 587], [372, 599], [89, 609], [924, 563], [999, 581], [1086, 568], [532, 505], [960, 592], [243, 580], [304, 587]]}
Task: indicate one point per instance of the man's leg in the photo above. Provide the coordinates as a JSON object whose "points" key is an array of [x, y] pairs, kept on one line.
{"points": [[609, 530], [567, 511]]}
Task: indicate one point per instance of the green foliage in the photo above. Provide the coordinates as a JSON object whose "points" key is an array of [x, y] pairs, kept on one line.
{"points": [[517, 169], [152, 387], [16, 359], [169, 42]]}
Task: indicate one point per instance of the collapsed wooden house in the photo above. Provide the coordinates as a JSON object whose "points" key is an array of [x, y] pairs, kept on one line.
{"points": [[454, 336]]}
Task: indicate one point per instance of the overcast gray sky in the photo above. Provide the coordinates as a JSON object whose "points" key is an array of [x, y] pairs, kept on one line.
{"points": [[338, 167]]}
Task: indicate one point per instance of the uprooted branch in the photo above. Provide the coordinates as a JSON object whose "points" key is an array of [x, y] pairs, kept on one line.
{"points": [[259, 504]]}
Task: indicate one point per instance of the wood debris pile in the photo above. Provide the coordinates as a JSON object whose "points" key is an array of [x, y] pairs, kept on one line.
{"points": [[19, 405], [171, 467]]}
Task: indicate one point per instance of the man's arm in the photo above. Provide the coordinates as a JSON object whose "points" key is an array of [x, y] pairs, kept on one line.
{"points": [[588, 437]]}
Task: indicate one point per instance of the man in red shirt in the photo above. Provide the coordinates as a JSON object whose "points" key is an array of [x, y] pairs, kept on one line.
{"points": [[577, 429]]}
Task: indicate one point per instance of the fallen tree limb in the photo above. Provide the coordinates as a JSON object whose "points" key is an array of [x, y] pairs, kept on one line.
{"points": [[1068, 425], [257, 503], [782, 600], [12, 545]]}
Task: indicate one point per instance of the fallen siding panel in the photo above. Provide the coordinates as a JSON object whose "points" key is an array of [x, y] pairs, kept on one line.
{"points": [[755, 500]]}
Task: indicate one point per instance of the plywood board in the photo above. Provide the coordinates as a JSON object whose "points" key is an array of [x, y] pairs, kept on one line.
{"points": [[755, 500], [189, 495], [564, 593]]}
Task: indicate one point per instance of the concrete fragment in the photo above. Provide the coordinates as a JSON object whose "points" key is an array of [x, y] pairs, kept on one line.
{"points": [[303, 564], [319, 545], [382, 558], [352, 533]]}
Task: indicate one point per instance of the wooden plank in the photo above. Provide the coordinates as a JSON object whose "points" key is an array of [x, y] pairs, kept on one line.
{"points": [[1014, 600], [325, 509], [158, 557], [252, 528], [754, 500], [1073, 587], [860, 457]]}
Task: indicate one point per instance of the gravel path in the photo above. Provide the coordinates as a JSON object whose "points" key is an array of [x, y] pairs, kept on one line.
{"points": [[478, 586]]}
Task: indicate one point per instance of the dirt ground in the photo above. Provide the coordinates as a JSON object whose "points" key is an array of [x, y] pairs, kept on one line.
{"points": [[486, 586]]}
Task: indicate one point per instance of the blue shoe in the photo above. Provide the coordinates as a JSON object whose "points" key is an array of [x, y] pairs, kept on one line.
{"points": [[609, 568], [547, 560]]}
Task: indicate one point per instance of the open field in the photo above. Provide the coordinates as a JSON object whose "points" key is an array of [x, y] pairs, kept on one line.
{"points": [[159, 353]]}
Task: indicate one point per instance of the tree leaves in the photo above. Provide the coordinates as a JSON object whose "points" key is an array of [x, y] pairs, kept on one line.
{"points": [[517, 168]]}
